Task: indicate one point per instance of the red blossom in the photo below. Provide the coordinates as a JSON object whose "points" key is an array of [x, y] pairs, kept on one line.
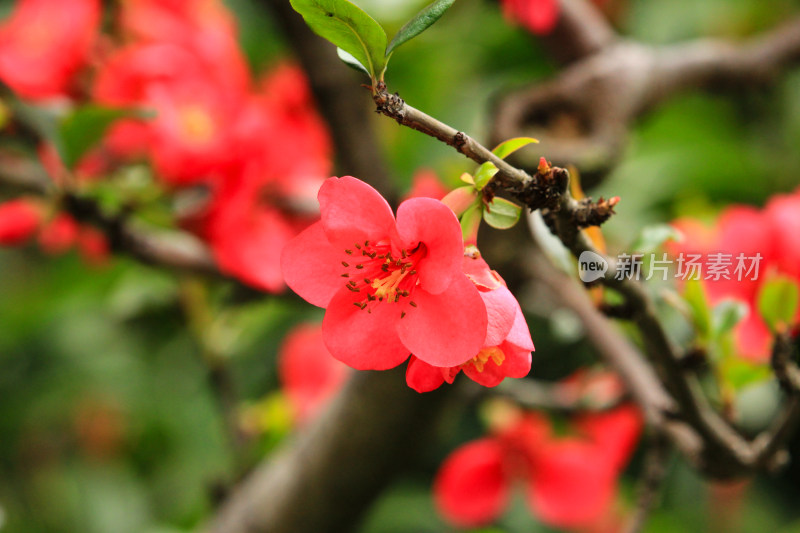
{"points": [[570, 480], [271, 195], [426, 184], [769, 233], [506, 351], [390, 287], [19, 220], [538, 16], [44, 43], [308, 373], [59, 234]]}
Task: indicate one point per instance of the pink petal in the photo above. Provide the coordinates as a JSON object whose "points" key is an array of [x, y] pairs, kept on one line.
{"points": [[362, 340], [310, 266], [572, 486], [518, 360], [501, 310], [478, 271], [445, 329], [423, 377], [430, 222], [783, 216], [352, 211], [491, 376], [471, 488], [520, 334]]}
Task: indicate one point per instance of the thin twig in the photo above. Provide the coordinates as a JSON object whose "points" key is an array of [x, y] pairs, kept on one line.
{"points": [[653, 474]]}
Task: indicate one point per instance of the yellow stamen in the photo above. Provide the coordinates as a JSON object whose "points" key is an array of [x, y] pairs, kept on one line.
{"points": [[494, 353]]}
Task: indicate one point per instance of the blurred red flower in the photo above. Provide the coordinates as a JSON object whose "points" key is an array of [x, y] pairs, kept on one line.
{"points": [[570, 480], [310, 376], [19, 220], [44, 43], [538, 16], [769, 234]]}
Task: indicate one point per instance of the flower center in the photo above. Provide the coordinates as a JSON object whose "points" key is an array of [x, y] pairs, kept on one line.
{"points": [[381, 276], [479, 361]]}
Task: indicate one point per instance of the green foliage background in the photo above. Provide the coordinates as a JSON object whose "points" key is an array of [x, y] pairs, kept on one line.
{"points": [[78, 343]]}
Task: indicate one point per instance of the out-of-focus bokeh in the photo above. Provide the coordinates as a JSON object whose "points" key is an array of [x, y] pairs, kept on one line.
{"points": [[109, 419]]}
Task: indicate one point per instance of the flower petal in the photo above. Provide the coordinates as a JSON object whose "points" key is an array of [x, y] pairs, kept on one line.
{"points": [[360, 339], [471, 487], [423, 377], [309, 262], [501, 310], [572, 486], [520, 334], [352, 211], [616, 432], [429, 221], [445, 329]]}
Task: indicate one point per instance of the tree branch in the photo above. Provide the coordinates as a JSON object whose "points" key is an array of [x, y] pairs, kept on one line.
{"points": [[585, 113], [327, 477]]}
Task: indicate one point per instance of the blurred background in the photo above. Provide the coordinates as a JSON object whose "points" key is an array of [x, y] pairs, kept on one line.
{"points": [[110, 416]]}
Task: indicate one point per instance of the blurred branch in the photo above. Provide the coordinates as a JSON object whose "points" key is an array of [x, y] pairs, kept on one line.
{"points": [[343, 108], [654, 471], [532, 394], [324, 480], [585, 113], [581, 30]]}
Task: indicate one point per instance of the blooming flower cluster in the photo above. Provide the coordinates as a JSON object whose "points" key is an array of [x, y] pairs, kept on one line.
{"points": [[395, 287], [570, 479], [769, 233], [255, 145]]}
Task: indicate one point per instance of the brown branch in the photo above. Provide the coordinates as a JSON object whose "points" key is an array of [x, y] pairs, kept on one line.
{"points": [[654, 472], [532, 394], [581, 30], [584, 114], [324, 481]]}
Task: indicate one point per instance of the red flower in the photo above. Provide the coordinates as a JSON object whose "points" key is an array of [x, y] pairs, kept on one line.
{"points": [[19, 220], [506, 351], [426, 184], [44, 43], [538, 16], [59, 235], [741, 230], [310, 376], [571, 481], [390, 287], [271, 196]]}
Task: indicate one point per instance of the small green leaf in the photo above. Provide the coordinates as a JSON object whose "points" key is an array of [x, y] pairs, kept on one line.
{"points": [[652, 237], [484, 174], [726, 315], [695, 296], [506, 148], [466, 177], [501, 214], [84, 128], [351, 61], [348, 27], [740, 373], [470, 221], [421, 22], [777, 302]]}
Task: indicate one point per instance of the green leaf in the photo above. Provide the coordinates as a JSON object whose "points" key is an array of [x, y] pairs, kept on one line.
{"points": [[726, 315], [695, 296], [484, 174], [348, 27], [652, 237], [740, 373], [84, 128], [470, 221], [777, 302], [351, 61], [501, 214], [421, 22], [506, 148]]}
